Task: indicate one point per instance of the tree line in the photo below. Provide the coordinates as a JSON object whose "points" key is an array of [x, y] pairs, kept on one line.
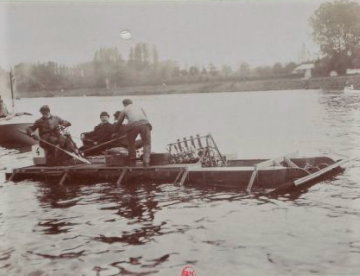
{"points": [[336, 29], [109, 69]]}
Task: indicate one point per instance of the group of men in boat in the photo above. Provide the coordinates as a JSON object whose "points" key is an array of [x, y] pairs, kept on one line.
{"points": [[104, 136]]}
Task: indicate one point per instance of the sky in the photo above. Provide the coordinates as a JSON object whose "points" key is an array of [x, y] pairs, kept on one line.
{"points": [[192, 33]]}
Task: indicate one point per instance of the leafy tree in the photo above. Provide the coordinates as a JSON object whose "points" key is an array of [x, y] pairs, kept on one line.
{"points": [[155, 56], [194, 71], [244, 70], [277, 69], [226, 71], [213, 70], [336, 27]]}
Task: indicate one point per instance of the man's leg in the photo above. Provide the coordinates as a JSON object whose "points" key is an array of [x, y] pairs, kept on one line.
{"points": [[50, 156], [49, 151], [132, 134], [145, 134], [54, 153]]}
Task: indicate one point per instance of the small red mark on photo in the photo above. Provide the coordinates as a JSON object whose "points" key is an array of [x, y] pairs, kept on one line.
{"points": [[188, 271]]}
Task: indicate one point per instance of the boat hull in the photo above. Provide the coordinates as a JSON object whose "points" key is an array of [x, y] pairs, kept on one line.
{"points": [[351, 90], [11, 137], [237, 174]]}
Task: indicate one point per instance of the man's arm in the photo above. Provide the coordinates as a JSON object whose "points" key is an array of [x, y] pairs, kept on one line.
{"points": [[64, 123], [91, 135], [31, 130], [121, 118]]}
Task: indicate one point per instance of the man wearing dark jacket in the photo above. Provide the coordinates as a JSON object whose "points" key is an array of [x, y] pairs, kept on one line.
{"points": [[49, 127], [101, 133]]}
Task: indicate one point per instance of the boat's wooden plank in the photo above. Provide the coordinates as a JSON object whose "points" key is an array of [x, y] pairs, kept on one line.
{"points": [[275, 161], [318, 173], [290, 163], [63, 178], [184, 176], [252, 180], [122, 175]]}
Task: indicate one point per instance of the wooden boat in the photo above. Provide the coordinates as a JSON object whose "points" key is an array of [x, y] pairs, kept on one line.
{"points": [[350, 89], [9, 135], [9, 126], [211, 169]]}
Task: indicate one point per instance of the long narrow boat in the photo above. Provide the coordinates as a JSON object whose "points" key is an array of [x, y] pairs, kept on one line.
{"points": [[211, 169], [351, 90]]}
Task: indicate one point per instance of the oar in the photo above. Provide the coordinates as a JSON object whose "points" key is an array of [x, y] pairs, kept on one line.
{"points": [[103, 144], [65, 151]]}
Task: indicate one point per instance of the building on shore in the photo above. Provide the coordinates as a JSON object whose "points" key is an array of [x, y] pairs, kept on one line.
{"points": [[353, 71], [305, 69]]}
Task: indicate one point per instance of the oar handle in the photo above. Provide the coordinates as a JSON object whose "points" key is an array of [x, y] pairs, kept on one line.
{"points": [[105, 143]]}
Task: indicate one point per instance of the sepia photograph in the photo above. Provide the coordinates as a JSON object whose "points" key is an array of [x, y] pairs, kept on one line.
{"points": [[188, 138]]}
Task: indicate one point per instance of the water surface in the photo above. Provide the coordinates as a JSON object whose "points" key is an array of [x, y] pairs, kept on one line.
{"points": [[103, 229]]}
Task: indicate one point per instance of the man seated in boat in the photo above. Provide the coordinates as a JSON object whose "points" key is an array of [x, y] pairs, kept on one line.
{"points": [[101, 134], [49, 127], [138, 123]]}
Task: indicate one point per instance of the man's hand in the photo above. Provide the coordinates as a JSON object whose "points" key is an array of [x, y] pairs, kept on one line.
{"points": [[34, 136], [95, 143]]}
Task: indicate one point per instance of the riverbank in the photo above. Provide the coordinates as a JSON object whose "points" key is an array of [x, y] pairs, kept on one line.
{"points": [[326, 83]]}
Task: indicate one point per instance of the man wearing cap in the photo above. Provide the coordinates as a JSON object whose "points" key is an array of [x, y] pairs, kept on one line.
{"points": [[49, 127], [138, 123], [101, 133]]}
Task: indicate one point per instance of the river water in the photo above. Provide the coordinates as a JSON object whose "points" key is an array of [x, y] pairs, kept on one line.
{"points": [[103, 230]]}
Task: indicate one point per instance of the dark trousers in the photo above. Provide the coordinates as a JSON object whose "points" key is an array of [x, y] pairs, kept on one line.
{"points": [[53, 155], [145, 134]]}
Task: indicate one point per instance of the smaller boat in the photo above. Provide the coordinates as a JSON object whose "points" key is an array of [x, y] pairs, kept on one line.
{"points": [[9, 126], [349, 89], [11, 122]]}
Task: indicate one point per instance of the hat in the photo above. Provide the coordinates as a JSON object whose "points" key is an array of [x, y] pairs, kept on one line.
{"points": [[44, 108], [117, 113], [127, 102], [104, 113]]}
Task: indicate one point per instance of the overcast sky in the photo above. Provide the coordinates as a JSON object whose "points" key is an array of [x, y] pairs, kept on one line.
{"points": [[191, 33]]}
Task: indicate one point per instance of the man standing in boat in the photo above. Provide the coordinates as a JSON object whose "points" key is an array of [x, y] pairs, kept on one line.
{"points": [[120, 134], [137, 124], [49, 127]]}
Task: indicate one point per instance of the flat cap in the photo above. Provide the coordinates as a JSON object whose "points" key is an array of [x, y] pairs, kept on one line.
{"points": [[45, 108]]}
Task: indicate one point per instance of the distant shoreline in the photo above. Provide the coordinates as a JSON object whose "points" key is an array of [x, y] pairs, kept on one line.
{"points": [[326, 83]]}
